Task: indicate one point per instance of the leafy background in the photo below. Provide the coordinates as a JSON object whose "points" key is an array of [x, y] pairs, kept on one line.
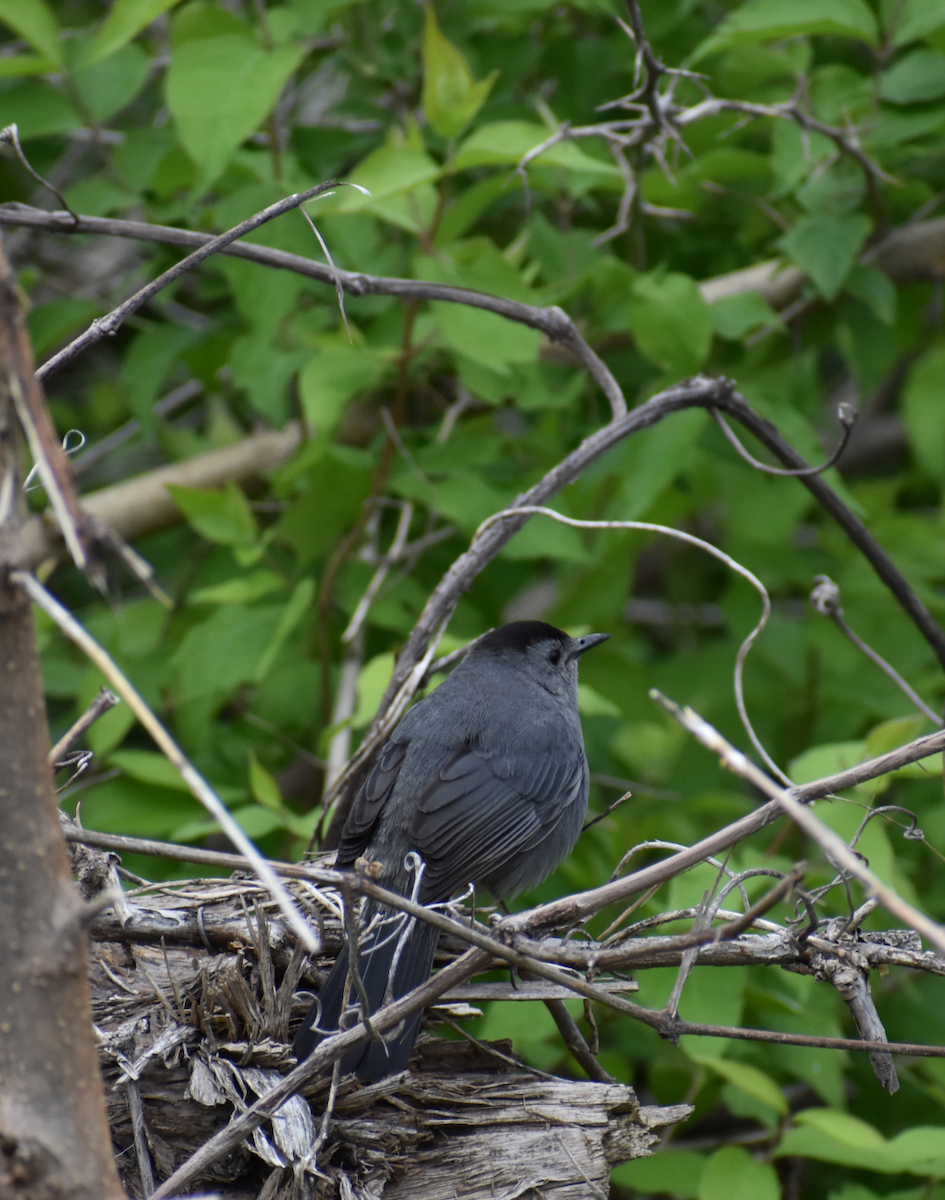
{"points": [[198, 114]]}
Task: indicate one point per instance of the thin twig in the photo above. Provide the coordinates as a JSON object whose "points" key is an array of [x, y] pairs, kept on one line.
{"points": [[576, 908], [109, 324], [575, 1041], [825, 599], [324, 1054], [16, 356], [164, 407], [11, 136], [100, 705], [847, 415], [836, 849], [197, 784], [552, 321]]}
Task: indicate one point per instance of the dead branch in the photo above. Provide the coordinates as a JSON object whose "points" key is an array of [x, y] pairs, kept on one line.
{"points": [[143, 504], [107, 325]]}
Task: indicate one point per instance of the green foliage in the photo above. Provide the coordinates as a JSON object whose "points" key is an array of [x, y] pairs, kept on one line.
{"points": [[196, 114]]}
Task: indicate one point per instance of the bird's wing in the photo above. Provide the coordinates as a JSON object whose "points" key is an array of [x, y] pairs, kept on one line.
{"points": [[483, 810], [369, 802]]}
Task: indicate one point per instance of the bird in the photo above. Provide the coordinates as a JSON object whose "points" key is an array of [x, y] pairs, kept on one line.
{"points": [[484, 782]]}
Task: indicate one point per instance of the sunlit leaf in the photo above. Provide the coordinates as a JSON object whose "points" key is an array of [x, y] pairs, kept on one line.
{"points": [[220, 90], [34, 21], [126, 19], [451, 96], [768, 20], [222, 515], [670, 321], [734, 1174]]}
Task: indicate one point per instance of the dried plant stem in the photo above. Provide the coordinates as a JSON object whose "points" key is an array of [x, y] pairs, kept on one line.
{"points": [[107, 325], [836, 849], [100, 705], [197, 784]]}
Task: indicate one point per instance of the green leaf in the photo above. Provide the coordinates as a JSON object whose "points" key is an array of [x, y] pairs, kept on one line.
{"points": [[391, 170], [242, 590], [109, 730], [336, 491], [651, 461], [735, 316], [826, 248], [34, 21], [828, 759], [920, 1150], [592, 704], [147, 364], [747, 1077], [39, 110], [149, 767], [924, 411], [220, 515], [768, 20], [223, 651], [263, 787], [917, 18], [543, 538], [333, 378], [733, 1174], [670, 321], [507, 142], [668, 1172], [876, 290], [13, 65], [105, 90], [264, 369], [300, 602], [889, 735], [219, 91], [127, 806], [206, 19], [257, 821], [372, 683], [97, 196], [842, 1127], [126, 19], [451, 96], [836, 1137], [917, 77], [485, 337], [50, 324]]}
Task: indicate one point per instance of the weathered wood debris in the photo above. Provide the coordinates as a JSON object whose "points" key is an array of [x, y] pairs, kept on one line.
{"points": [[195, 987]]}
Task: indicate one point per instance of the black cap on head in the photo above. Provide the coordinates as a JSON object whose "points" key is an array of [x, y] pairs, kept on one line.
{"points": [[519, 635]]}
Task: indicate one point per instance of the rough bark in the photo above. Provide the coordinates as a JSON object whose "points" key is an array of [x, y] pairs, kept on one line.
{"points": [[191, 1033], [53, 1133]]}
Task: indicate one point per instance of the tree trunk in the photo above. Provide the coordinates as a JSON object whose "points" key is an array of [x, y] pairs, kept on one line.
{"points": [[54, 1139]]}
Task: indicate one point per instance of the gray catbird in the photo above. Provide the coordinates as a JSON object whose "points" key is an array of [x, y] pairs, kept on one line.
{"points": [[485, 781]]}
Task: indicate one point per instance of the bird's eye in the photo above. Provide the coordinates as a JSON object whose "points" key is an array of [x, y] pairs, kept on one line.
{"points": [[554, 657]]}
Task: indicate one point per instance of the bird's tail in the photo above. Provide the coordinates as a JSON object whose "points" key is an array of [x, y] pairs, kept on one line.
{"points": [[413, 951]]}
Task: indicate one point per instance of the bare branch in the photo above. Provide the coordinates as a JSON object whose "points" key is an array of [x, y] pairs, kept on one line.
{"points": [[836, 849], [825, 599], [100, 705], [52, 462], [197, 784], [848, 418], [107, 325], [11, 136]]}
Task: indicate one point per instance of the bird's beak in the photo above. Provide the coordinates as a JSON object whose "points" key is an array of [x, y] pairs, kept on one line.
{"points": [[588, 642]]}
